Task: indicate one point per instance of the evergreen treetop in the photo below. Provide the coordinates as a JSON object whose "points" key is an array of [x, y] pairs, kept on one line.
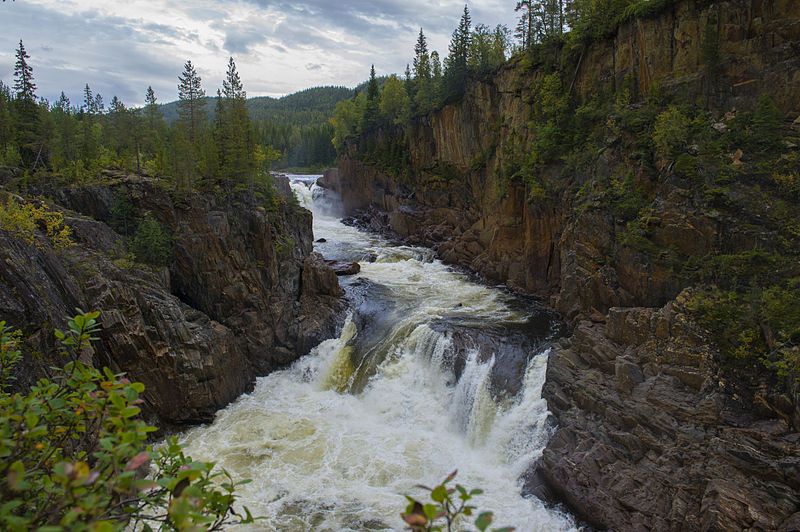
{"points": [[23, 75]]}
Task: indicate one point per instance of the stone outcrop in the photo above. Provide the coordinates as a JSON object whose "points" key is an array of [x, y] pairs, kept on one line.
{"points": [[652, 435], [243, 295]]}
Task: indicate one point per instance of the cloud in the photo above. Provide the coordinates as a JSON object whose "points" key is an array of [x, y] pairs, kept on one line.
{"points": [[120, 48]]}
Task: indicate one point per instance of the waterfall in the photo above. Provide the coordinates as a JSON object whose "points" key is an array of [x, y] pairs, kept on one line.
{"points": [[335, 440]]}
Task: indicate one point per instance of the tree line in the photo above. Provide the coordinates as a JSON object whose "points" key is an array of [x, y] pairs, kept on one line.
{"points": [[429, 80], [225, 150]]}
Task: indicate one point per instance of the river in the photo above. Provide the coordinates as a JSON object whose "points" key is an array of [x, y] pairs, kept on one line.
{"points": [[432, 372]]}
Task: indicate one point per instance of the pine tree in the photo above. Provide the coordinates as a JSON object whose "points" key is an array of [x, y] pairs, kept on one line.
{"points": [[525, 26], [191, 104]]}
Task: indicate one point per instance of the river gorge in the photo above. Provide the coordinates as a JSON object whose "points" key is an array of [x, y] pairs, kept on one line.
{"points": [[432, 372]]}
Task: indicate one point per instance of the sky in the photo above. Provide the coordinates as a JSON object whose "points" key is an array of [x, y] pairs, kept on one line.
{"points": [[119, 47]]}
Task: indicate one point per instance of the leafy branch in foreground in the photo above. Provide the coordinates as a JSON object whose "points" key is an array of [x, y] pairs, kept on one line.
{"points": [[449, 506], [74, 453]]}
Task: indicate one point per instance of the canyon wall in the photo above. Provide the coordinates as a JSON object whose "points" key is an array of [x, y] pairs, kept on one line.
{"points": [[243, 294], [652, 433]]}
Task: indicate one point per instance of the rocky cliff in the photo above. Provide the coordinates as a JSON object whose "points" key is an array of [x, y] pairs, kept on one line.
{"points": [[658, 428], [242, 295]]}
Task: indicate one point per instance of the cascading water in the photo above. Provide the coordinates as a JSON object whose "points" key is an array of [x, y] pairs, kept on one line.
{"points": [[333, 442]]}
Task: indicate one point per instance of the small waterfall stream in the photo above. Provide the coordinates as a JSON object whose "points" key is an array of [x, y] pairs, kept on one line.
{"points": [[408, 392]]}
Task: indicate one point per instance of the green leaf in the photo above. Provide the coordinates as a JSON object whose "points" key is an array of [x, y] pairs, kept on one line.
{"points": [[16, 476], [439, 493], [31, 419], [484, 520], [130, 411], [431, 511]]}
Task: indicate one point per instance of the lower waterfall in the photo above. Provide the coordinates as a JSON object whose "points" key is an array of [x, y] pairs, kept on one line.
{"points": [[408, 392]]}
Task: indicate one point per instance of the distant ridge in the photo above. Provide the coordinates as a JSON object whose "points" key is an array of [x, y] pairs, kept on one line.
{"points": [[302, 108]]}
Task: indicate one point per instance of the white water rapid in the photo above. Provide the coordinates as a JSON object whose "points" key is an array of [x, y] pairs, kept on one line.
{"points": [[333, 442]]}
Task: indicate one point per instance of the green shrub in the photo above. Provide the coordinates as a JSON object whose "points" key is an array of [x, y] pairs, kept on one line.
{"points": [[766, 125], [448, 507], [152, 243], [74, 454], [10, 156], [670, 134], [754, 327], [22, 219]]}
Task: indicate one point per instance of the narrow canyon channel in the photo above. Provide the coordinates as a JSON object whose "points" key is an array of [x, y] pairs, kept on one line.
{"points": [[432, 372]]}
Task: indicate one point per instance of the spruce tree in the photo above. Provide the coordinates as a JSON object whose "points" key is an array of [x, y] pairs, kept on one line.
{"points": [[118, 134], [88, 101], [437, 78], [456, 68], [63, 103], [23, 75], [151, 112], [410, 90], [26, 111], [99, 106], [236, 131], [65, 143], [372, 112], [191, 102], [423, 79], [6, 131]]}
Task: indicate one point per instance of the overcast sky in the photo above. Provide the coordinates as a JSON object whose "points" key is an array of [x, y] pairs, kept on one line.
{"points": [[119, 47]]}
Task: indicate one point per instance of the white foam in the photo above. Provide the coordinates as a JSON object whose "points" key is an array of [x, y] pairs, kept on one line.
{"points": [[325, 460]]}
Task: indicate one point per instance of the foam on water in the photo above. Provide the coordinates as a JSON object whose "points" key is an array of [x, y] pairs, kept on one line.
{"points": [[324, 455]]}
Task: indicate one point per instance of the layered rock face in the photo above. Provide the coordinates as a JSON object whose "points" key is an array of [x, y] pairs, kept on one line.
{"points": [[653, 435], [650, 438], [243, 295]]}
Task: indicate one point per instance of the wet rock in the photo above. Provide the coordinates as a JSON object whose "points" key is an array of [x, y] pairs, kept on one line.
{"points": [[321, 240], [343, 268]]}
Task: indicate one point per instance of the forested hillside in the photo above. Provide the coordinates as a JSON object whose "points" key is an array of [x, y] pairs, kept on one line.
{"points": [[297, 125]]}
